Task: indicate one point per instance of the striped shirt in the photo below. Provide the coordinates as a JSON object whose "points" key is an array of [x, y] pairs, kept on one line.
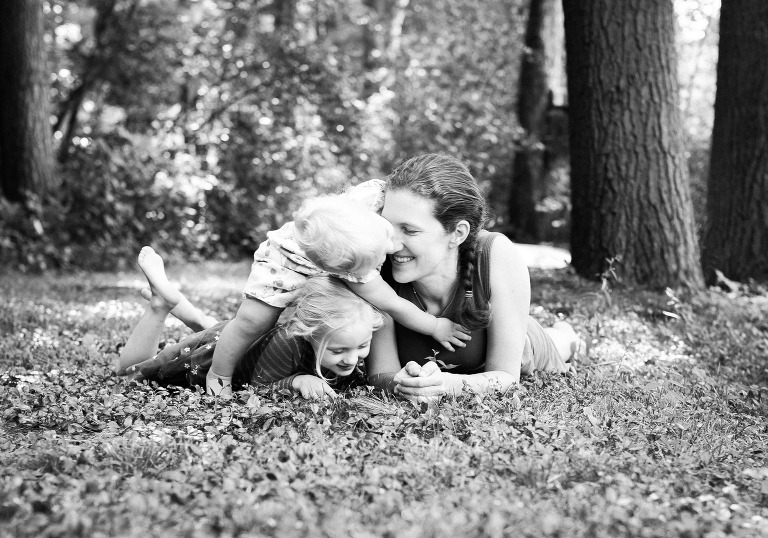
{"points": [[277, 358]]}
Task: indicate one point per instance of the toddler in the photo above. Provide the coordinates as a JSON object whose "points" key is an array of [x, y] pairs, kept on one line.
{"points": [[320, 344]]}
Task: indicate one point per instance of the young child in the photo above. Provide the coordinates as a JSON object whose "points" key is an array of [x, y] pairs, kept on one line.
{"points": [[328, 332], [341, 235]]}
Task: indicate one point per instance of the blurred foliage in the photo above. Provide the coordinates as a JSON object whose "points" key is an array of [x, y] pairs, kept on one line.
{"points": [[198, 125], [698, 38], [455, 89]]}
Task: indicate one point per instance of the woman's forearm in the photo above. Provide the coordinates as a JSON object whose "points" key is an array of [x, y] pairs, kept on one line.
{"points": [[482, 382]]}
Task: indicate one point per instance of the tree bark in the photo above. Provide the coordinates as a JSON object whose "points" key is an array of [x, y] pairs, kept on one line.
{"points": [[736, 237], [629, 179], [26, 162], [528, 167], [536, 95]]}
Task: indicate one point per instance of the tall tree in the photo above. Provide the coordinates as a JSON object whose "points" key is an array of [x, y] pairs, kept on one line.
{"points": [[736, 240], [543, 38], [25, 137], [380, 40], [629, 180]]}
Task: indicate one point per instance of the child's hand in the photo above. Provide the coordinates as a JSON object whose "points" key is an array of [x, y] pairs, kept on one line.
{"points": [[448, 332], [312, 387], [217, 385]]}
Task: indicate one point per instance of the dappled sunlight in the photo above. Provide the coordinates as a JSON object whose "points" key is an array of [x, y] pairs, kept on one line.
{"points": [[544, 256], [635, 404], [633, 344], [112, 309]]}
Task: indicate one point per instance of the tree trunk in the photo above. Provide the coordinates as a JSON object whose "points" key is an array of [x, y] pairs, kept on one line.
{"points": [[537, 89], [380, 42], [528, 169], [285, 12], [736, 240], [26, 162], [370, 46], [629, 178]]}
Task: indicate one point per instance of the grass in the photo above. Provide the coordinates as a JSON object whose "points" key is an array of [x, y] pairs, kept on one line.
{"points": [[663, 432]]}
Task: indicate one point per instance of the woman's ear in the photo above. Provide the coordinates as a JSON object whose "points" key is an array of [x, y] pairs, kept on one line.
{"points": [[460, 233]]}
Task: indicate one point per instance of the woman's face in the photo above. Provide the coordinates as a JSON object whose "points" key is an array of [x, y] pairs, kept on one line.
{"points": [[421, 242]]}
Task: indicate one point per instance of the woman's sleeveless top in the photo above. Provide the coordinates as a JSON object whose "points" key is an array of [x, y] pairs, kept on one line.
{"points": [[414, 346]]}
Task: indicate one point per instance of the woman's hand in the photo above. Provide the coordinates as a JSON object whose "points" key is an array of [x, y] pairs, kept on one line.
{"points": [[420, 383], [312, 387]]}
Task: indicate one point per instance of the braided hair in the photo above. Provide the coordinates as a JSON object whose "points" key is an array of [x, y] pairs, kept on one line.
{"points": [[456, 196]]}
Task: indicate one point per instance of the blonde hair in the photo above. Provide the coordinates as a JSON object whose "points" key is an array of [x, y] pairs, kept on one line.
{"points": [[324, 306], [339, 234]]}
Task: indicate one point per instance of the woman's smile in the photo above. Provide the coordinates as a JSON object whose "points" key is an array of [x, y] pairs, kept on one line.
{"points": [[402, 259], [423, 243]]}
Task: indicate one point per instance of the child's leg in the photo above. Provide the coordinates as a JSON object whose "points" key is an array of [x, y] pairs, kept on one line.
{"points": [[187, 313], [253, 319], [154, 269], [143, 342]]}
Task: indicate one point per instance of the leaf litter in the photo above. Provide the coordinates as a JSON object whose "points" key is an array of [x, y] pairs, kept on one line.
{"points": [[661, 431]]}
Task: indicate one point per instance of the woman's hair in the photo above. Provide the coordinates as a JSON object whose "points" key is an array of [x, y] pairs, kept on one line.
{"points": [[340, 235], [325, 305], [456, 196]]}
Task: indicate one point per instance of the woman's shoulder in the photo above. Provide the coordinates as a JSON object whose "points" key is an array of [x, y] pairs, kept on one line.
{"points": [[498, 255], [497, 245], [495, 248]]}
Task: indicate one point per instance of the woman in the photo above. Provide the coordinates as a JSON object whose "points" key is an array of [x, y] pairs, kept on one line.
{"points": [[446, 264]]}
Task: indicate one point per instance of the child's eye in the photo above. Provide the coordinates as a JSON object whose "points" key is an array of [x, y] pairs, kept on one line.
{"points": [[337, 351]]}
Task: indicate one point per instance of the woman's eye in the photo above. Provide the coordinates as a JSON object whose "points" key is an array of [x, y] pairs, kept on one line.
{"points": [[409, 232]]}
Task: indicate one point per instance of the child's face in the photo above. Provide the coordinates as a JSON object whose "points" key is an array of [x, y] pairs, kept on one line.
{"points": [[346, 348]]}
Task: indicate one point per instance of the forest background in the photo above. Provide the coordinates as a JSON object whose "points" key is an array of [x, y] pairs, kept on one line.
{"points": [[196, 126]]}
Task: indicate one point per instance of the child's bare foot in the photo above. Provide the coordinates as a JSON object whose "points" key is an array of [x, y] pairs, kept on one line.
{"points": [[161, 292]]}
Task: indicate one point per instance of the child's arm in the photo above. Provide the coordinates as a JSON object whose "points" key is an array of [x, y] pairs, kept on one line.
{"points": [[309, 386], [253, 319], [283, 362], [378, 293]]}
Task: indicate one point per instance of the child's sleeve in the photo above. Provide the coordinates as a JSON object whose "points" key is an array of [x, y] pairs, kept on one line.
{"points": [[369, 193], [378, 293], [280, 362]]}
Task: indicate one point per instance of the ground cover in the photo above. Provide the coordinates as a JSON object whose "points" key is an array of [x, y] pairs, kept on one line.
{"points": [[662, 431]]}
